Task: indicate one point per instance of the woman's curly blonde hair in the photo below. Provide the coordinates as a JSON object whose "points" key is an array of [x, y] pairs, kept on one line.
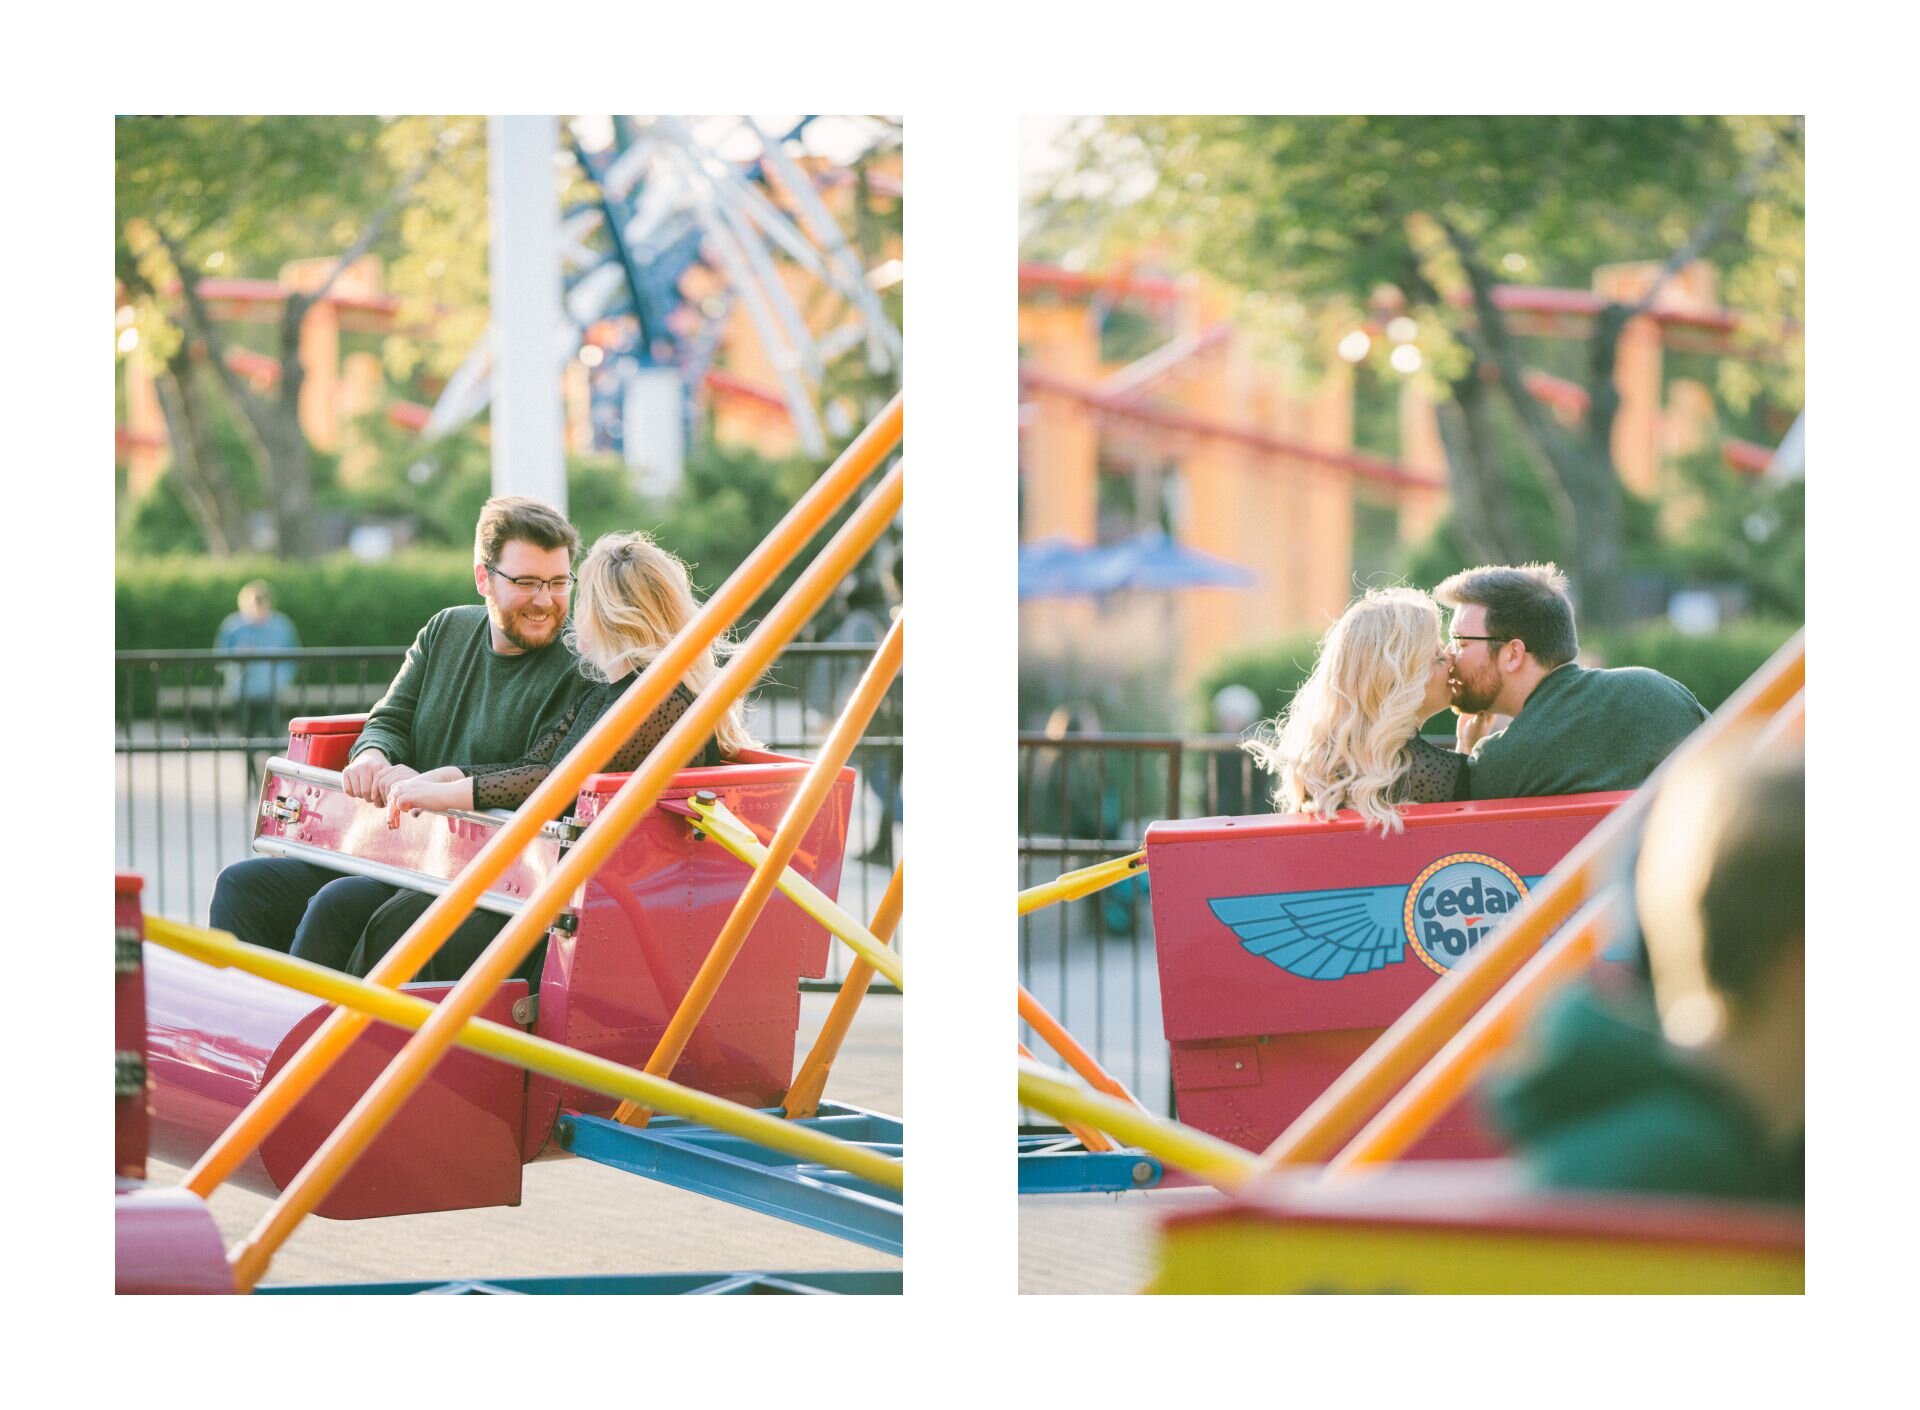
{"points": [[1345, 739], [633, 596]]}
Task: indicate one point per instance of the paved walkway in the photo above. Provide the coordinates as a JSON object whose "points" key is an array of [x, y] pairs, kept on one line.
{"points": [[579, 1217], [1094, 1243]]}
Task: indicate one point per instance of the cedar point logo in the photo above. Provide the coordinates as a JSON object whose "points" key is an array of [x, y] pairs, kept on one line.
{"points": [[1455, 903]]}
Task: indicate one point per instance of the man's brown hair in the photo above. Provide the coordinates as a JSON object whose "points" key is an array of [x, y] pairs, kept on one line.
{"points": [[1528, 604], [507, 517]]}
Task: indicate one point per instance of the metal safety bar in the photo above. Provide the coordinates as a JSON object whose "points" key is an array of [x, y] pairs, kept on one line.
{"points": [[1078, 1058], [542, 1055], [813, 791], [338, 1152], [1419, 1034], [424, 938]]}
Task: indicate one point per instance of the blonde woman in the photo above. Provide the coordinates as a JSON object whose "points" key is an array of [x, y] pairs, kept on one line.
{"points": [[632, 596], [1350, 739]]}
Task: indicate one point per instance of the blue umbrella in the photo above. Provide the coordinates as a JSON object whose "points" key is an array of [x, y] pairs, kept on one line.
{"points": [[1148, 562]]}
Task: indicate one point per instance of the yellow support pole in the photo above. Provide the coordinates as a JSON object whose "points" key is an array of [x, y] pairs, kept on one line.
{"points": [[1085, 1135], [1419, 1033], [1225, 1167], [834, 752], [496, 1040], [377, 1106], [732, 832], [1070, 886], [556, 793], [1078, 1058], [810, 1083]]}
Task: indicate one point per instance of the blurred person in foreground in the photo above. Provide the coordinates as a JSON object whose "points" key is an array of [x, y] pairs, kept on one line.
{"points": [[633, 597], [1698, 1088], [1350, 737], [254, 688], [1566, 728]]}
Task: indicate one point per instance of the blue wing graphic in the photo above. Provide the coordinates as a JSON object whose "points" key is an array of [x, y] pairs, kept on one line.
{"points": [[1320, 934]]}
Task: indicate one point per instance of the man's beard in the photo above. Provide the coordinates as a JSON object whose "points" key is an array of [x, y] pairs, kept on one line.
{"points": [[509, 624], [1470, 697]]}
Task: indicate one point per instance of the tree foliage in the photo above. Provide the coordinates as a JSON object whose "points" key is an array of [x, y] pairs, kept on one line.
{"points": [[1320, 218]]}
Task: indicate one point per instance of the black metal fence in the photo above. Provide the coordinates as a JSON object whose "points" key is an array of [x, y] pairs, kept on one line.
{"points": [[192, 729], [1090, 962]]}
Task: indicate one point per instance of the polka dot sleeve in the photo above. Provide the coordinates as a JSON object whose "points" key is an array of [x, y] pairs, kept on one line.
{"points": [[510, 785], [1434, 775]]}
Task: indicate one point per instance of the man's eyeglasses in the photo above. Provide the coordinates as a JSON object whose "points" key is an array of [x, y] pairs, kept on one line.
{"points": [[1453, 642], [559, 587]]}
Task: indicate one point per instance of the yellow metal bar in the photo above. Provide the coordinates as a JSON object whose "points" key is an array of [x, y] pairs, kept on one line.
{"points": [[810, 1083], [1221, 1165], [1078, 1058], [1088, 1137], [1070, 886], [728, 829], [821, 773], [496, 1040], [556, 793], [511, 946], [1443, 1010], [1442, 1082]]}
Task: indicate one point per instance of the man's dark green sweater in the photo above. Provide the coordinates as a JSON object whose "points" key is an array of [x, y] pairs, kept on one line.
{"points": [[1585, 731], [458, 701]]}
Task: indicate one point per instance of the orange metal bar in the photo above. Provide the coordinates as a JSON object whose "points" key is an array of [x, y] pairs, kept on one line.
{"points": [[411, 1065], [810, 1083], [834, 752], [1088, 1137], [557, 793], [1078, 1058], [1443, 1010], [1442, 1082]]}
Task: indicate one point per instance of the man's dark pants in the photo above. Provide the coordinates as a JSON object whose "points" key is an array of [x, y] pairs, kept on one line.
{"points": [[343, 922]]}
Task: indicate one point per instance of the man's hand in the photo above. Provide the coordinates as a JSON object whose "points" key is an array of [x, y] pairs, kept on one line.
{"points": [[359, 776], [424, 793], [388, 778]]}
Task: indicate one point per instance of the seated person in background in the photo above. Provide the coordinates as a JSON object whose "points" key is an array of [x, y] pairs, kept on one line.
{"points": [[478, 682], [1350, 736], [633, 597], [1574, 730], [1700, 1090], [255, 687]]}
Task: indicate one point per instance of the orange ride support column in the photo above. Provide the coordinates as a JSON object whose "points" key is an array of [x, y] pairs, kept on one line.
{"points": [[510, 947], [555, 795], [819, 781]]}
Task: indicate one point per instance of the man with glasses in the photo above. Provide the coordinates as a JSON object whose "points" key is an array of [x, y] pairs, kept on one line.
{"points": [[1573, 730], [479, 684]]}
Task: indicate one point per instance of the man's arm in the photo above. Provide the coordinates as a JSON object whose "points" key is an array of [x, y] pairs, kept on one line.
{"points": [[389, 727]]}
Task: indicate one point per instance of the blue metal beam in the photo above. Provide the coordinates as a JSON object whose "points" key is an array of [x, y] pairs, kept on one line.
{"points": [[708, 1162], [1059, 1165], [838, 1282]]}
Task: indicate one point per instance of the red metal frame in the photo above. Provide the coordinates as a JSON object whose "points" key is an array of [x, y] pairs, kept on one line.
{"points": [[1253, 1044]]}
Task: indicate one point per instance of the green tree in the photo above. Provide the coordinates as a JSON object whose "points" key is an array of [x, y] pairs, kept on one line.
{"points": [[242, 195], [1319, 215]]}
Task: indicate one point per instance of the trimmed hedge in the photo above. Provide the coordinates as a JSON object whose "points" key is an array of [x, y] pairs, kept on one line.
{"points": [[177, 602], [1712, 667]]}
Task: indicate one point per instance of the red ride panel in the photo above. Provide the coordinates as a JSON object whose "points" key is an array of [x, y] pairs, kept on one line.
{"points": [[129, 1032], [649, 917], [1286, 944]]}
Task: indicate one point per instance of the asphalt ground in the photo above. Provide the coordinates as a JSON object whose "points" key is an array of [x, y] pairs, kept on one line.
{"points": [[576, 1217], [1095, 1243]]}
